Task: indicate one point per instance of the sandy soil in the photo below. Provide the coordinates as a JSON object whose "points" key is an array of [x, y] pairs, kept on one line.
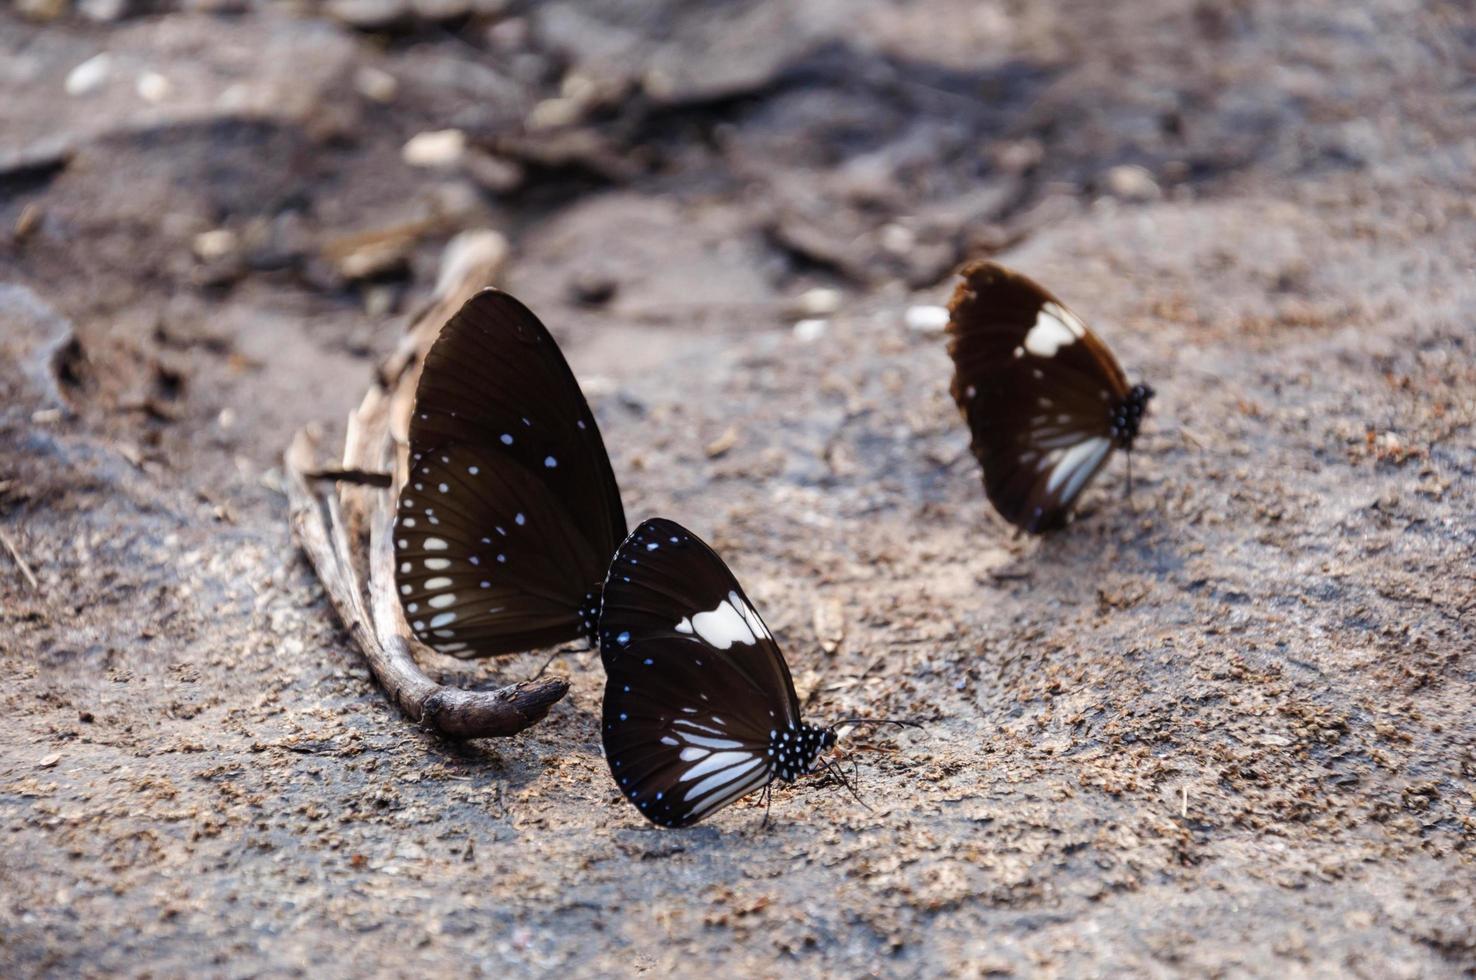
{"points": [[1228, 729]]}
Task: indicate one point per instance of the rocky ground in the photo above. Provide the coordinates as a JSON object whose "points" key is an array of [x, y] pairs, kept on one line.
{"points": [[1226, 729]]}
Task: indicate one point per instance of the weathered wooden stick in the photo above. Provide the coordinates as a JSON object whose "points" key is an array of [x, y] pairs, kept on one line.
{"points": [[448, 711], [334, 521]]}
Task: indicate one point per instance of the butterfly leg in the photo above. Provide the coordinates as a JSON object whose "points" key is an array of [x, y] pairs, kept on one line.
{"points": [[840, 775], [1129, 455], [768, 801]]}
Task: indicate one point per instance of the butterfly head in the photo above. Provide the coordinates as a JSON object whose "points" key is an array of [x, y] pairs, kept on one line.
{"points": [[796, 750], [1127, 415]]}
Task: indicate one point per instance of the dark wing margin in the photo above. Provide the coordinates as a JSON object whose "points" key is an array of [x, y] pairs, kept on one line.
{"points": [[696, 687], [1037, 389], [506, 524]]}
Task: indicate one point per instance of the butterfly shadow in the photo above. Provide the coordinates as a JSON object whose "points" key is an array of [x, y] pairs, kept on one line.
{"points": [[1112, 534]]}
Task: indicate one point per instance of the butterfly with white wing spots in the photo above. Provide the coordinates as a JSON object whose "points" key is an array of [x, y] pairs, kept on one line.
{"points": [[510, 513], [1045, 400], [699, 705]]}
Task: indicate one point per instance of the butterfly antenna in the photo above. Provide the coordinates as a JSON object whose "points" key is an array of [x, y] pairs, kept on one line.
{"points": [[559, 653], [899, 722]]}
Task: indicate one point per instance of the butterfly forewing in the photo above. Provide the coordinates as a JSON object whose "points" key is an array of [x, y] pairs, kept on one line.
{"points": [[699, 705], [510, 512], [496, 378], [1038, 390]]}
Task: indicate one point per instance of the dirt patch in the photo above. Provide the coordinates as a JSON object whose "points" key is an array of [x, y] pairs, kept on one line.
{"points": [[1225, 728]]}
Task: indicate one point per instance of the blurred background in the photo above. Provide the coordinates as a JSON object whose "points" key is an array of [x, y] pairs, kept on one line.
{"points": [[1231, 726]]}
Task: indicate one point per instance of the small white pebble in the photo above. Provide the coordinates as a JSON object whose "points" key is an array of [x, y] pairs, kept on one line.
{"points": [[439, 148], [89, 75], [898, 239], [810, 330], [374, 83], [153, 87], [819, 301], [214, 244], [927, 319], [1131, 182]]}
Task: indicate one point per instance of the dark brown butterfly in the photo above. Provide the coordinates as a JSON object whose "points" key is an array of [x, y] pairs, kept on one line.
{"points": [[507, 521], [699, 705], [1044, 398]]}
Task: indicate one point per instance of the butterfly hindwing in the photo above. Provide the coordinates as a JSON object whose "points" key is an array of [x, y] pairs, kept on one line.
{"points": [[1042, 395], [487, 561], [511, 511], [699, 705]]}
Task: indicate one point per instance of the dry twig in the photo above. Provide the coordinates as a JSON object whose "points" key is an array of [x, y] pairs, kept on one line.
{"points": [[20, 561], [343, 526]]}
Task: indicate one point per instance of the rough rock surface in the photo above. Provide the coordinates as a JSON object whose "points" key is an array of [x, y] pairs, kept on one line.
{"points": [[1225, 728]]}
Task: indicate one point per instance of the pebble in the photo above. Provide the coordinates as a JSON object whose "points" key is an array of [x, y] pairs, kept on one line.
{"points": [[215, 244], [554, 114], [898, 239], [819, 301], [153, 87], [723, 443], [439, 148], [376, 84], [89, 75], [927, 319], [810, 330], [1131, 182], [494, 173]]}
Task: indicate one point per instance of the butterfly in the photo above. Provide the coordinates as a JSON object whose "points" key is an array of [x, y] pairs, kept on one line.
{"points": [[699, 705], [1045, 400], [509, 515]]}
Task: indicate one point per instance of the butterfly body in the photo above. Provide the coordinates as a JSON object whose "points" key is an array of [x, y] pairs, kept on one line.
{"points": [[510, 512], [699, 705], [1045, 401]]}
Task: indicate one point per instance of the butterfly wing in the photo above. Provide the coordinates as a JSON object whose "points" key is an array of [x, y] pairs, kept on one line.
{"points": [[1038, 390], [697, 694], [511, 511]]}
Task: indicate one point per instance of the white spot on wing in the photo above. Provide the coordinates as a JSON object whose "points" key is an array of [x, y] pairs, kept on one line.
{"points": [[732, 621], [435, 544], [1055, 327]]}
